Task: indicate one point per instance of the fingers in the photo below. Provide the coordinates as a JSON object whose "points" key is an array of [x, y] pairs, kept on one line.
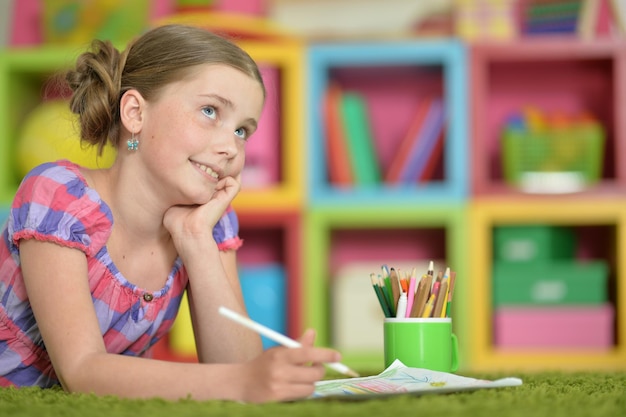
{"points": [[289, 373], [280, 374], [308, 338], [303, 364], [229, 186]]}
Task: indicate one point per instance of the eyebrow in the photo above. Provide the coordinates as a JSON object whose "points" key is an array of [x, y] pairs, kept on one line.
{"points": [[253, 123], [223, 100]]}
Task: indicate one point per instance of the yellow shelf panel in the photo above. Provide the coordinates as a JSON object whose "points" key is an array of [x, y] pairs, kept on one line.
{"points": [[495, 360], [282, 198], [288, 57]]}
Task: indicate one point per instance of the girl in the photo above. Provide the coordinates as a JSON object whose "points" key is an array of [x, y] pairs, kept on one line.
{"points": [[93, 263]]}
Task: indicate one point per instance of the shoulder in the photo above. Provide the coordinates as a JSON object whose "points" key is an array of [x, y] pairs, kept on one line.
{"points": [[52, 176], [54, 202]]}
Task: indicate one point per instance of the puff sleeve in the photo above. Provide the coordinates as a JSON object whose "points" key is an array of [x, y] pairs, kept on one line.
{"points": [[55, 204]]}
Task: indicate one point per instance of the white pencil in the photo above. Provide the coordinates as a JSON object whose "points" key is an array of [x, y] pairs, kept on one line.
{"points": [[278, 338]]}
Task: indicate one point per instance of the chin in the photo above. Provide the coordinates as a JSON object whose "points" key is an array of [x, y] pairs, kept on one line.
{"points": [[196, 199]]}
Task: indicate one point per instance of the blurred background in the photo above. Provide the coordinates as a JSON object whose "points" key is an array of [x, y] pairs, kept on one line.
{"points": [[487, 136]]}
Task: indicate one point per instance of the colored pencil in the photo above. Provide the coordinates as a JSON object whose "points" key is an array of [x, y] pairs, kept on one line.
{"points": [[278, 338], [380, 295]]}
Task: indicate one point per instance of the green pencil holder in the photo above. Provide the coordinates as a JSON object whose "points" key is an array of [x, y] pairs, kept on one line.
{"points": [[421, 343]]}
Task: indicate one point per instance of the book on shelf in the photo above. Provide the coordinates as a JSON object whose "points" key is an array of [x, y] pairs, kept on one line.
{"points": [[608, 22], [338, 160], [562, 16], [423, 147], [420, 150], [400, 159], [435, 159], [587, 18], [619, 13], [360, 142], [602, 18]]}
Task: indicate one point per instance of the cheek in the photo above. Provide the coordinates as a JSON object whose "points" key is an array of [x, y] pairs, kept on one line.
{"points": [[238, 163], [241, 157]]}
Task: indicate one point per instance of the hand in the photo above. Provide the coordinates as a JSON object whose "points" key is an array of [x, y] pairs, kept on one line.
{"points": [[189, 225], [281, 374]]}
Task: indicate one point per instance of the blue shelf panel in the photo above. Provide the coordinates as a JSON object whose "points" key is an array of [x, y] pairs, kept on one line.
{"points": [[450, 56]]}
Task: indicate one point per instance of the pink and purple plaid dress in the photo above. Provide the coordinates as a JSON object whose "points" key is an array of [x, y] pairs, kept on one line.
{"points": [[55, 204]]}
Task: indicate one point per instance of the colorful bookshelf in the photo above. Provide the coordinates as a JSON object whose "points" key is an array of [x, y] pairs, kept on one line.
{"points": [[338, 236], [392, 77], [603, 224]]}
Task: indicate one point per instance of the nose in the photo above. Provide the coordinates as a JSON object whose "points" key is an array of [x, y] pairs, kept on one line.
{"points": [[224, 142]]}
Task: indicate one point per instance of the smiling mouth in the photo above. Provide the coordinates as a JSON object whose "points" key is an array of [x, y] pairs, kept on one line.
{"points": [[206, 169]]}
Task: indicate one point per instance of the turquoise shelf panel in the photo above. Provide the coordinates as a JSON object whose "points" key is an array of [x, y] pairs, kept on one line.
{"points": [[448, 58]]}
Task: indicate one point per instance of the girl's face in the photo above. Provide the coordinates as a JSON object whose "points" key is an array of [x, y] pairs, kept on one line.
{"points": [[195, 132]]}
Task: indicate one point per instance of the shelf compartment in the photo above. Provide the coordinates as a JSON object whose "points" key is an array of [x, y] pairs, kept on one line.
{"points": [[25, 72], [392, 77], [23, 76], [288, 194], [600, 229], [276, 238], [566, 76], [339, 237]]}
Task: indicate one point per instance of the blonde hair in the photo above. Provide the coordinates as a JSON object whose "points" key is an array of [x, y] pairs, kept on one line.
{"points": [[159, 57]]}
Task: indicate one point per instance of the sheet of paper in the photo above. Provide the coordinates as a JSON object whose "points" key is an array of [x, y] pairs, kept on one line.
{"points": [[400, 379]]}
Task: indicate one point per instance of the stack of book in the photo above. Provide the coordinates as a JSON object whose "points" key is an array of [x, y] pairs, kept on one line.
{"points": [[551, 17], [351, 148]]}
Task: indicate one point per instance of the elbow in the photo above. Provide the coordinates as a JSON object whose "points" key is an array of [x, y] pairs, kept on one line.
{"points": [[77, 377]]}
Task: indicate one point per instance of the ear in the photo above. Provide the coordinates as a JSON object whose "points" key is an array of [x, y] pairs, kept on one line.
{"points": [[131, 110]]}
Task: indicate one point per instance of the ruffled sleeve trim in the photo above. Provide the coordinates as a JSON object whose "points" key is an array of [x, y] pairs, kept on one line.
{"points": [[230, 244], [226, 231]]}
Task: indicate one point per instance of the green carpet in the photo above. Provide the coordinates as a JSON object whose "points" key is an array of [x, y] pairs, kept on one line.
{"points": [[550, 394]]}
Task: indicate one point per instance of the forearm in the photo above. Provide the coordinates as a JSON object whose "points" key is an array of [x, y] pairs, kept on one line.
{"points": [[132, 377], [212, 283]]}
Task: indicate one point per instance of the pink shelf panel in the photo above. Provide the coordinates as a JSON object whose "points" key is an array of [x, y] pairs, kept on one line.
{"points": [[552, 75]]}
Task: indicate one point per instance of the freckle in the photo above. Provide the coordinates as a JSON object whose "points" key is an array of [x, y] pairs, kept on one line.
{"points": [[123, 256]]}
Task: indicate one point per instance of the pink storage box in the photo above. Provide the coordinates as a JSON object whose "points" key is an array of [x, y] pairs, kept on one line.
{"points": [[554, 327]]}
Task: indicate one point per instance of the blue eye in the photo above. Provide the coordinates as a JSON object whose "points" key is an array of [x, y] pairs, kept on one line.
{"points": [[210, 112], [242, 133]]}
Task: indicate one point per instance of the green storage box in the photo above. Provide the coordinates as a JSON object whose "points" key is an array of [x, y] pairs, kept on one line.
{"points": [[533, 243], [550, 283]]}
